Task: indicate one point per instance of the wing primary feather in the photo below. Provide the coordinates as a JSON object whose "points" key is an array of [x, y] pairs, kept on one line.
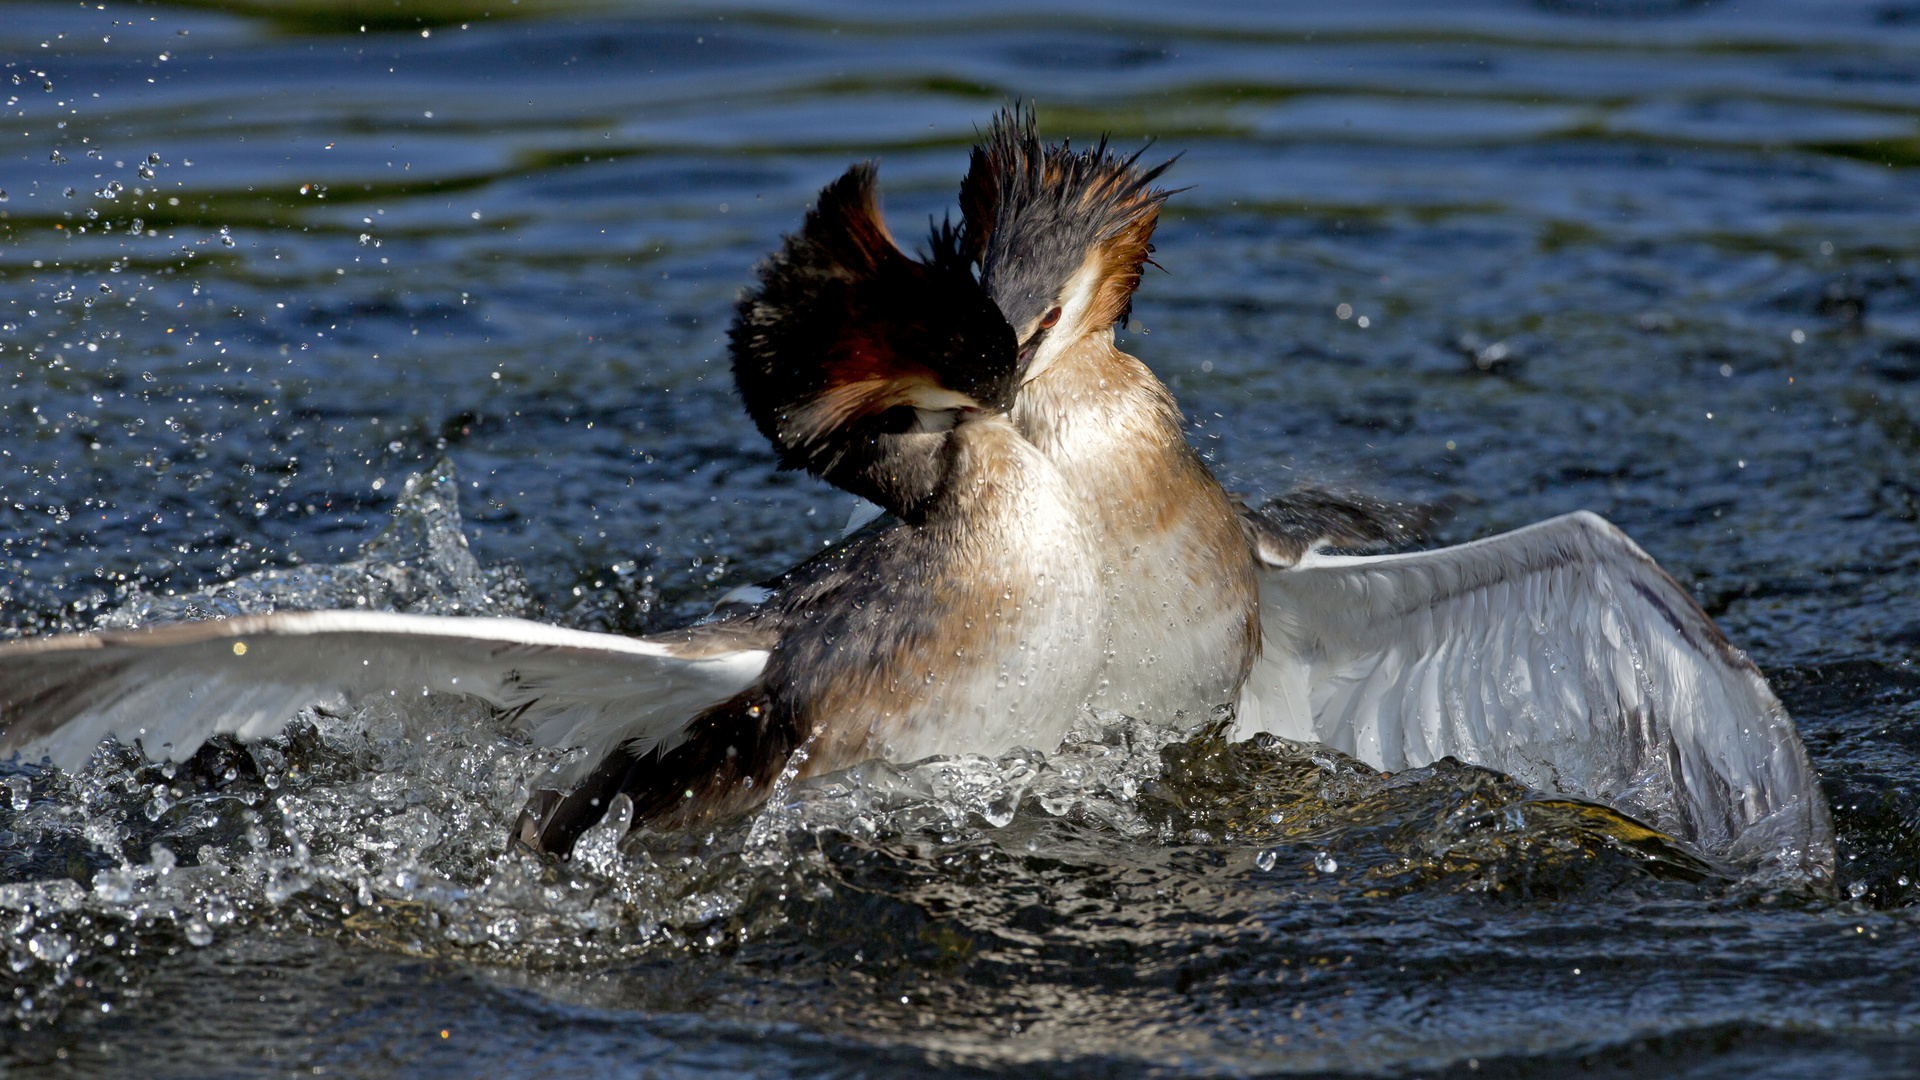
{"points": [[171, 687], [1559, 653]]}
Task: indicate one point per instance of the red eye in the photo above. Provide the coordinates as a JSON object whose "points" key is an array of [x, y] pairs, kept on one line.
{"points": [[1051, 317]]}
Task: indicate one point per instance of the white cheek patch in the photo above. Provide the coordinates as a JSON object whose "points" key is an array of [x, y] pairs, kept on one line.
{"points": [[1075, 305]]}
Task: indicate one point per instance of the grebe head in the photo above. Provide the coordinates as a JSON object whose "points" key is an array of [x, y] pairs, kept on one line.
{"points": [[1060, 235], [857, 360]]}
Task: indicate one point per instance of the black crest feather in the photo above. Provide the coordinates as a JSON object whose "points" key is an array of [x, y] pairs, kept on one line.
{"points": [[1033, 213], [845, 340]]}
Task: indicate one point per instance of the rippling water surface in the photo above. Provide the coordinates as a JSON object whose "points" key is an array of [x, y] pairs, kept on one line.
{"points": [[261, 262]]}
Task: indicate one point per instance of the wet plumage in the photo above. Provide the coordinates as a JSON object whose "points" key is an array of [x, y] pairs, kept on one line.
{"points": [[1060, 237], [964, 629], [1059, 545], [1559, 653]]}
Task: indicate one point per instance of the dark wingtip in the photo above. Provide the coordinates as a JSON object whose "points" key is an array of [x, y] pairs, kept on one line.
{"points": [[552, 820], [1290, 525]]}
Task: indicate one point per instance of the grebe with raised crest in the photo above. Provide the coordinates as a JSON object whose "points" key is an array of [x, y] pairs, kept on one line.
{"points": [[1058, 546]]}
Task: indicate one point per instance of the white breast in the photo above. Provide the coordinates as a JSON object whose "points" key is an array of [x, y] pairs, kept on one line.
{"points": [[1175, 638], [1044, 656]]}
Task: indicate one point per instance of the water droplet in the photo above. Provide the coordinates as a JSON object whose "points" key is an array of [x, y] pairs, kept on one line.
{"points": [[1857, 890], [20, 792], [1325, 863], [50, 947], [220, 910], [198, 932], [113, 886], [1266, 859]]}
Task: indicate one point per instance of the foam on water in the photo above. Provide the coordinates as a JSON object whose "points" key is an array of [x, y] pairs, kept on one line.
{"points": [[391, 825], [1657, 260], [391, 828]]}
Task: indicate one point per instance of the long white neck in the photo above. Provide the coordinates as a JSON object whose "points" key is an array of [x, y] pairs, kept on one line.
{"points": [[1182, 599], [1016, 584]]}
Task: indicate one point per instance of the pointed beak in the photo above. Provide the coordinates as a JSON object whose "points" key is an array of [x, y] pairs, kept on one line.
{"points": [[1028, 349]]}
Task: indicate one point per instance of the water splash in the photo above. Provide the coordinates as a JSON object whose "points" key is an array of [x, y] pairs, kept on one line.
{"points": [[419, 563], [391, 825]]}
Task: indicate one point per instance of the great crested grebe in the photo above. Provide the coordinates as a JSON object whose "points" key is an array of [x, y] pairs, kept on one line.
{"points": [[968, 627], [1559, 653], [1060, 546], [1060, 239]]}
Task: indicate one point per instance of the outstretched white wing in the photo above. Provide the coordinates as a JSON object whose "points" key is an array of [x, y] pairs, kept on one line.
{"points": [[1559, 654], [173, 686]]}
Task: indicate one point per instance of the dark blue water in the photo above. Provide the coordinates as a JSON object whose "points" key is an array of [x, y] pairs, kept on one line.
{"points": [[1658, 260]]}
